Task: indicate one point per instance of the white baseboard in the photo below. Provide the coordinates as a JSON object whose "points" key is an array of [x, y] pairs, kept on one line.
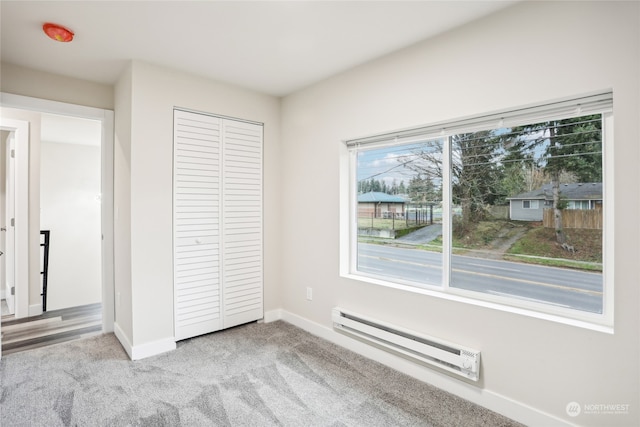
{"points": [[272, 316], [496, 402], [122, 337], [142, 351], [35, 310], [153, 348]]}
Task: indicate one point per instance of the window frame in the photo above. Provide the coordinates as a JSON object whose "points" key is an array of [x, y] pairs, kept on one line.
{"points": [[599, 103], [533, 204]]}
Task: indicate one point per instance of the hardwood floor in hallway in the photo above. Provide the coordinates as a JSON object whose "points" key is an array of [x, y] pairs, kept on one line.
{"points": [[51, 327]]}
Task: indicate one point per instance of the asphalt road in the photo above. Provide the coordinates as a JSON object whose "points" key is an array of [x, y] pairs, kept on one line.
{"points": [[558, 286]]}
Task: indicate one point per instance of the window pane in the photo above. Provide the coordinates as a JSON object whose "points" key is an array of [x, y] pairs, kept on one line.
{"points": [[399, 210], [527, 212]]}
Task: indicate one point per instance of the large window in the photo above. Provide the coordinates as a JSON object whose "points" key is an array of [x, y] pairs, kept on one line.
{"points": [[505, 208]]}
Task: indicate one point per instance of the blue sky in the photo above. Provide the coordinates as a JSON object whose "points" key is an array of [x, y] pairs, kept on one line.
{"points": [[387, 164]]}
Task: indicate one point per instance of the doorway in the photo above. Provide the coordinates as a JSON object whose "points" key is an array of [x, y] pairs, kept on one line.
{"points": [[70, 199], [102, 200]]}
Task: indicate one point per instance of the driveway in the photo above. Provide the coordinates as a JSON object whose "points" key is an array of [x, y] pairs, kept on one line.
{"points": [[422, 236]]}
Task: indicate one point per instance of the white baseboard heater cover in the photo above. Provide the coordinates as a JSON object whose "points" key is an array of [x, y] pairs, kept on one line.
{"points": [[450, 357]]}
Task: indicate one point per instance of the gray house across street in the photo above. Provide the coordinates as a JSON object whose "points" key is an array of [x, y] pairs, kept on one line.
{"points": [[530, 206]]}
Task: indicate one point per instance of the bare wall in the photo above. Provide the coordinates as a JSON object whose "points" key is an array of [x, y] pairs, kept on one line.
{"points": [[122, 207], [37, 84]]}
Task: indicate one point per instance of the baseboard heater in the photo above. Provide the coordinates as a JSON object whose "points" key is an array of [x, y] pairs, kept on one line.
{"points": [[450, 357]]}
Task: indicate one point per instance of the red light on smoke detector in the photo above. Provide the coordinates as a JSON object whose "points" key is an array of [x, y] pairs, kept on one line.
{"points": [[57, 32]]}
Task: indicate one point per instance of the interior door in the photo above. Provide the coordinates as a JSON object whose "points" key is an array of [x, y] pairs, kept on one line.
{"points": [[242, 267], [196, 225], [9, 225]]}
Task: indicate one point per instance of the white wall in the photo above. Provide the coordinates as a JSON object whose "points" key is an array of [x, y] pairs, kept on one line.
{"points": [[151, 93], [70, 209], [529, 53], [122, 208], [27, 82]]}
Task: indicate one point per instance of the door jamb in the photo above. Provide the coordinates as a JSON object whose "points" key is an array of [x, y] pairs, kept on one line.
{"points": [[20, 128]]}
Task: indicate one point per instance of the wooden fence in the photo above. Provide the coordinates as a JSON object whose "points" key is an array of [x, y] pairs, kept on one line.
{"points": [[575, 218], [499, 212]]}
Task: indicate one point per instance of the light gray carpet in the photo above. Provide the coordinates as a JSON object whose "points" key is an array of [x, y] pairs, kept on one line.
{"points": [[253, 375]]}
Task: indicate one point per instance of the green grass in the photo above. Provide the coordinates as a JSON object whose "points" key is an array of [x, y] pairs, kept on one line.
{"points": [[539, 246], [387, 224], [554, 262], [436, 246], [432, 247], [541, 242], [476, 235], [375, 240]]}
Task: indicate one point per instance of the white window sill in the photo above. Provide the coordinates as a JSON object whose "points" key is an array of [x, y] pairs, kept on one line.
{"points": [[458, 295]]}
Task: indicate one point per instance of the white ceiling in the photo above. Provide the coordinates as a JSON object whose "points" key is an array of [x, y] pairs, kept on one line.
{"points": [[275, 47]]}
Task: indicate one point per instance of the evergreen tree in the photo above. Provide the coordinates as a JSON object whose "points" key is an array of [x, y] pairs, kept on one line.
{"points": [[572, 148], [394, 187], [515, 167], [422, 190], [475, 175]]}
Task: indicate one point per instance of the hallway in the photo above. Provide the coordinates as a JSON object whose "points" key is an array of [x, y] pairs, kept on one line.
{"points": [[51, 327]]}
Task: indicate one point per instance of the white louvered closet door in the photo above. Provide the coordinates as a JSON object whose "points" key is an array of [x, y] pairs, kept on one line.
{"points": [[242, 222], [217, 223], [196, 224]]}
